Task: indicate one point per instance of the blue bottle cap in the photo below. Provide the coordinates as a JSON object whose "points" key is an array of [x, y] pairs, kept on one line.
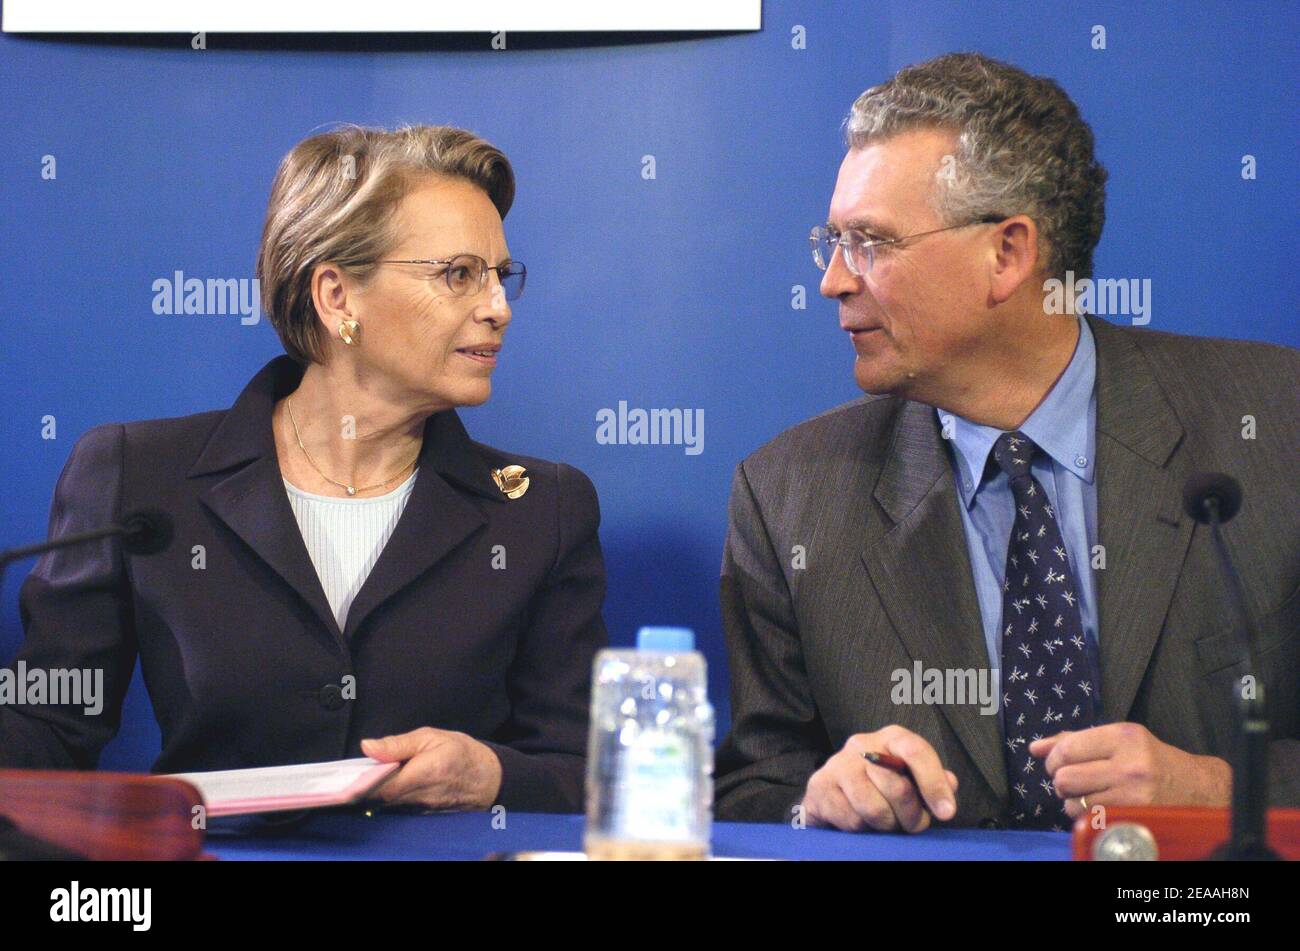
{"points": [[672, 640]]}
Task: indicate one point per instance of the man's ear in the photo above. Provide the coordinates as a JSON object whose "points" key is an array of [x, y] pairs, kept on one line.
{"points": [[1015, 256]]}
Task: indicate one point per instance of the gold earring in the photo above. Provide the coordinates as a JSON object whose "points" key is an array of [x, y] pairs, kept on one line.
{"points": [[350, 331]]}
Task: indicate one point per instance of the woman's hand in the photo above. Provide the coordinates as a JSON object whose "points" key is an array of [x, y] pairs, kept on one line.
{"points": [[441, 769]]}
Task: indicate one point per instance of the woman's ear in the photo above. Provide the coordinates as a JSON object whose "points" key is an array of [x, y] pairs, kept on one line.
{"points": [[329, 294]]}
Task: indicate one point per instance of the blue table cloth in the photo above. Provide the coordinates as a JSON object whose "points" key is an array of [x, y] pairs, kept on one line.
{"points": [[355, 835]]}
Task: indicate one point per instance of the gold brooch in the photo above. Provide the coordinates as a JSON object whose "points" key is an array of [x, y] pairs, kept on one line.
{"points": [[512, 480]]}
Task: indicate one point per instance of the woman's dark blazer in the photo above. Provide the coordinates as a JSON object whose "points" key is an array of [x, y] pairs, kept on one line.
{"points": [[482, 613]]}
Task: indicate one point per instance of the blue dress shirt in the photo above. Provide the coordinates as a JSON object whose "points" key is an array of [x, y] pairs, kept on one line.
{"points": [[1064, 425]]}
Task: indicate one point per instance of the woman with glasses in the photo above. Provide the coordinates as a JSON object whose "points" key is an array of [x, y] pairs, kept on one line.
{"points": [[349, 573]]}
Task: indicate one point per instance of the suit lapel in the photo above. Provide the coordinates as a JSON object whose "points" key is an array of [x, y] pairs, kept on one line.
{"points": [[248, 494], [921, 571], [253, 503], [1140, 524], [438, 515]]}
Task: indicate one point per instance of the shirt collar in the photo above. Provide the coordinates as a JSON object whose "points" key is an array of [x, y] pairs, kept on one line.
{"points": [[1061, 425]]}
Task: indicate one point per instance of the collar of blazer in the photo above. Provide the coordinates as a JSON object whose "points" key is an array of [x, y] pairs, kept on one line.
{"points": [[921, 569], [245, 490]]}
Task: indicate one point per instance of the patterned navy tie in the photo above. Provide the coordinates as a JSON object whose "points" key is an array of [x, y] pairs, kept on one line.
{"points": [[1046, 685]]}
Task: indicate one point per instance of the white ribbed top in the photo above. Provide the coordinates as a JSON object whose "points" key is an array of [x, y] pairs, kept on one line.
{"points": [[345, 537]]}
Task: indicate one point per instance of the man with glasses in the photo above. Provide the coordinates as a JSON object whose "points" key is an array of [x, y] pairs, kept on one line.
{"points": [[983, 567]]}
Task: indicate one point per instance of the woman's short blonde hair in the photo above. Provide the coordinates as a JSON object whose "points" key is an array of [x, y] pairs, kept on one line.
{"points": [[333, 200]]}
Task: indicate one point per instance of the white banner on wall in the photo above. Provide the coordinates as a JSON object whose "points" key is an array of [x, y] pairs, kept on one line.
{"points": [[376, 16]]}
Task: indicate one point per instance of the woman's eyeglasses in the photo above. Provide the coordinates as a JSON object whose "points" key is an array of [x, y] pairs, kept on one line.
{"points": [[466, 274]]}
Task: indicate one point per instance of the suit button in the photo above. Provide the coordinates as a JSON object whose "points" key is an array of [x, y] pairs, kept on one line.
{"points": [[331, 697], [988, 822]]}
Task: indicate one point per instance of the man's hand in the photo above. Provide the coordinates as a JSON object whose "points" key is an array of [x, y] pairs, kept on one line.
{"points": [[851, 794], [440, 769], [1123, 764]]}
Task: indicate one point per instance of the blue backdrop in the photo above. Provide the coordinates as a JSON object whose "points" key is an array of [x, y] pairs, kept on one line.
{"points": [[674, 291]]}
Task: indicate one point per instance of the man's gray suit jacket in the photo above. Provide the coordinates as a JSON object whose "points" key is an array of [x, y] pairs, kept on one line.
{"points": [[846, 560]]}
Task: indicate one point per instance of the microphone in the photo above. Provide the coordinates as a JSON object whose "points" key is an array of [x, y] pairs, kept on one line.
{"points": [[144, 532], [1213, 498], [1208, 494]]}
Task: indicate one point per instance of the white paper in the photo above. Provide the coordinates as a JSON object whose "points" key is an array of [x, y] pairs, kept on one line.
{"points": [[279, 782]]}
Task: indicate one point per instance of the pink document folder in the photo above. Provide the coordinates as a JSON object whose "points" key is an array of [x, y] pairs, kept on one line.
{"points": [[235, 792]]}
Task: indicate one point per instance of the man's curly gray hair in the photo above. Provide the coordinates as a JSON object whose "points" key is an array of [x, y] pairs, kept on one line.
{"points": [[1022, 148]]}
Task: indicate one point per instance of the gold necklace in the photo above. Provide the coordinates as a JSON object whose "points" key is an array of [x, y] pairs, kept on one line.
{"points": [[351, 490]]}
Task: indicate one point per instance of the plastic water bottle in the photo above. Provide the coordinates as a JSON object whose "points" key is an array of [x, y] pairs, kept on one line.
{"points": [[650, 755]]}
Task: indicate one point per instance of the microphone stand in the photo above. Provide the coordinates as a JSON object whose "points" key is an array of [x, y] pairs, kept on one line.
{"points": [[63, 541], [1248, 840], [146, 532], [16, 554]]}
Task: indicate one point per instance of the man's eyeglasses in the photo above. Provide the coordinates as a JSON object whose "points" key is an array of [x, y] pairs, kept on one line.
{"points": [[860, 249], [466, 274]]}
